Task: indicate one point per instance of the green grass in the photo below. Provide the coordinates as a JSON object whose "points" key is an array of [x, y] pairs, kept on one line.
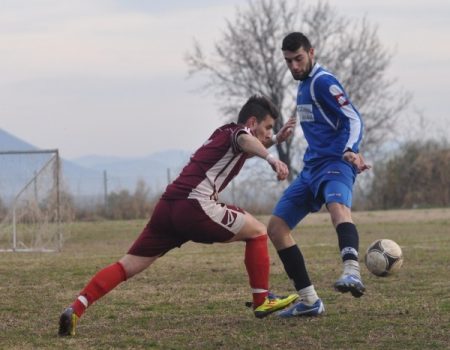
{"points": [[193, 298]]}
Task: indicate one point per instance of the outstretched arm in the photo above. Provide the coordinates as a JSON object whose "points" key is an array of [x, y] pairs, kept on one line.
{"points": [[284, 133], [251, 145]]}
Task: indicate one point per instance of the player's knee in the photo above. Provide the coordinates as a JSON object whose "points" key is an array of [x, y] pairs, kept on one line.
{"points": [[255, 227], [339, 213], [251, 229], [256, 231], [261, 228], [277, 227], [133, 264], [260, 238]]}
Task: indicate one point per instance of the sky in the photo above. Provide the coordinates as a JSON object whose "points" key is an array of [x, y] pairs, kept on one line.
{"points": [[109, 77]]}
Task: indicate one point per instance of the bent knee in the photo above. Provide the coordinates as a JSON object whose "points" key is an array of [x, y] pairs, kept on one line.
{"points": [[251, 229], [277, 227], [133, 264], [256, 229], [339, 213]]}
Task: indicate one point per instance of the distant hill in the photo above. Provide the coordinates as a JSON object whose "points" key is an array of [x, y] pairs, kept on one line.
{"points": [[9, 142], [84, 177], [18, 170], [167, 157], [155, 169]]}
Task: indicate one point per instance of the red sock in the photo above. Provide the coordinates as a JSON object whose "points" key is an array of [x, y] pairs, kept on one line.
{"points": [[103, 282], [257, 263]]}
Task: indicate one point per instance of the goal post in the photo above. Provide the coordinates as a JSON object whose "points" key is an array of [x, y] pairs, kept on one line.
{"points": [[30, 201]]}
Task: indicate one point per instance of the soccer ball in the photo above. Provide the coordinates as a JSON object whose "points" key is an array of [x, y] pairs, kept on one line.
{"points": [[383, 257]]}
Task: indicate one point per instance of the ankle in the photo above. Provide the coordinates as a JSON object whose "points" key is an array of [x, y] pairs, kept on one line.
{"points": [[79, 305], [308, 295], [259, 298], [351, 267]]}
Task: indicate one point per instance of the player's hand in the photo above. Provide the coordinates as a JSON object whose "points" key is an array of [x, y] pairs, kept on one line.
{"points": [[279, 167], [287, 130], [357, 160]]}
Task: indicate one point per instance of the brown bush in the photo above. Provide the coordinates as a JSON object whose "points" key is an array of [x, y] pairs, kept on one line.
{"points": [[125, 206], [418, 176]]}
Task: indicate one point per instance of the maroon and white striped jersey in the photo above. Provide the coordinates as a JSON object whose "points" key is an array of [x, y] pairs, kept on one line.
{"points": [[211, 167]]}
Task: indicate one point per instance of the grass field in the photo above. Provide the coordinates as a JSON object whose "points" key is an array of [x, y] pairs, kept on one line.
{"points": [[194, 297]]}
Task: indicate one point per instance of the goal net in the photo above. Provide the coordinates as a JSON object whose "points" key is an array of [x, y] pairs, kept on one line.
{"points": [[30, 201]]}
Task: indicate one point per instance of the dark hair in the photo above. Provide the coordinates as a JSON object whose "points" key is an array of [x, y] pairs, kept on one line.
{"points": [[294, 41], [259, 107]]}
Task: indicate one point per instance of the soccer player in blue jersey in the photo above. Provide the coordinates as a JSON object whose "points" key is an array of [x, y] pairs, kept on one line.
{"points": [[333, 129]]}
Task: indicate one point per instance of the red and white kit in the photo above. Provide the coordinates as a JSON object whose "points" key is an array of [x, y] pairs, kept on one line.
{"points": [[193, 198]]}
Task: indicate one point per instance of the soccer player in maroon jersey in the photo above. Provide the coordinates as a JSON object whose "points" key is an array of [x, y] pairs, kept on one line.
{"points": [[189, 210]]}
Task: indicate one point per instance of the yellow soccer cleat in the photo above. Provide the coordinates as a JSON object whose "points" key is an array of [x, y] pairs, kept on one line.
{"points": [[274, 303], [67, 323]]}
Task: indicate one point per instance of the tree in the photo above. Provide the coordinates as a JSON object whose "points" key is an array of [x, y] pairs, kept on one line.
{"points": [[3, 210], [248, 60], [417, 176], [125, 206]]}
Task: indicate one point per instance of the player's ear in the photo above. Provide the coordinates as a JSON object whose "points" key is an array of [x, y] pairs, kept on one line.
{"points": [[251, 122]]}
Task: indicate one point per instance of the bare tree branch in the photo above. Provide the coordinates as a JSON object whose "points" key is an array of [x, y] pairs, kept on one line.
{"points": [[248, 60]]}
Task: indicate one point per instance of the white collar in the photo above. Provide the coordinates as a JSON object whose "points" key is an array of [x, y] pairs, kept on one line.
{"points": [[314, 69]]}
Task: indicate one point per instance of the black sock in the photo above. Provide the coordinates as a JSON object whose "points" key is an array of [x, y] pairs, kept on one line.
{"points": [[348, 240], [294, 264]]}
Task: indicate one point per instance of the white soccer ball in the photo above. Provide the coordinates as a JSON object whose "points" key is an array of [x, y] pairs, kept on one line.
{"points": [[383, 257]]}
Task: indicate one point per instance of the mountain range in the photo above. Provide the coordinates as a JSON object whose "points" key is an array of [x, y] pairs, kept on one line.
{"points": [[89, 176]]}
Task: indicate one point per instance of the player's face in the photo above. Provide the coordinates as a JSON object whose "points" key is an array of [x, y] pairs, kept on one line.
{"points": [[299, 62], [263, 130]]}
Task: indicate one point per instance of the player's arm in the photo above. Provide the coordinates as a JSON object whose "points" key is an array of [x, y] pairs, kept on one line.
{"points": [[252, 146], [332, 98], [284, 133], [357, 160], [333, 95]]}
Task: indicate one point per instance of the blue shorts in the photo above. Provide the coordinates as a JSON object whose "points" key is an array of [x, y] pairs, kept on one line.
{"points": [[330, 182]]}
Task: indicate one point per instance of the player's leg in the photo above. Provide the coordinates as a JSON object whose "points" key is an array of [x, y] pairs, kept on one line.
{"points": [[208, 221], [151, 243], [257, 263], [290, 254], [339, 199], [294, 264], [101, 283], [291, 209], [110, 277]]}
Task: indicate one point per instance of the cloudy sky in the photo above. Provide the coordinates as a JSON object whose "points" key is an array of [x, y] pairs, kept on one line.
{"points": [[108, 77]]}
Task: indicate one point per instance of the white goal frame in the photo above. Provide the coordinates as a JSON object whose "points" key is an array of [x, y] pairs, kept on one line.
{"points": [[57, 170]]}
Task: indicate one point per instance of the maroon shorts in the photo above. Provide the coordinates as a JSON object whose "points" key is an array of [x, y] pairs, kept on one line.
{"points": [[175, 222]]}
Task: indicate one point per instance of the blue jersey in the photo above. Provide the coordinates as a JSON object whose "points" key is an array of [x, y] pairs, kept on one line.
{"points": [[330, 123]]}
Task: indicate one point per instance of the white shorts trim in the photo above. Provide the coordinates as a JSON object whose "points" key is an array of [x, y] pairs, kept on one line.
{"points": [[223, 215]]}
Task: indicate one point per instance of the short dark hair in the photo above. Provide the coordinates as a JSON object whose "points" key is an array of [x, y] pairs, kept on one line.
{"points": [[294, 41], [259, 107]]}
